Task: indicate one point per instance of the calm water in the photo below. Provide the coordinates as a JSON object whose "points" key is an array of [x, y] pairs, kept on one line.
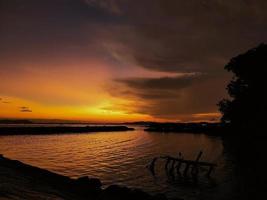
{"points": [[121, 157]]}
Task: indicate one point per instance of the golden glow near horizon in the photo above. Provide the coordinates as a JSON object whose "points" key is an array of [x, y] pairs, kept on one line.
{"points": [[75, 93], [89, 61], [69, 93], [76, 60], [12, 108]]}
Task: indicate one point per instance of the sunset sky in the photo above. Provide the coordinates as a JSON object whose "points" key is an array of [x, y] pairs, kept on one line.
{"points": [[122, 60]]}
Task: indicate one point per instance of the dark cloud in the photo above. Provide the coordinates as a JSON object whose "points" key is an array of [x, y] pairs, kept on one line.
{"points": [[25, 109], [172, 97], [175, 36], [4, 101], [182, 36], [189, 35], [159, 35], [162, 83], [34, 31], [7, 102], [108, 5]]}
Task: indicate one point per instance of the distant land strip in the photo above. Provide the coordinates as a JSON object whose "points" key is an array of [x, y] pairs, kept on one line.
{"points": [[215, 129], [36, 130]]}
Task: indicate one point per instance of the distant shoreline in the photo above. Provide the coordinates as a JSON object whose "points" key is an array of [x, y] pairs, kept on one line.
{"points": [[37, 130], [215, 129]]}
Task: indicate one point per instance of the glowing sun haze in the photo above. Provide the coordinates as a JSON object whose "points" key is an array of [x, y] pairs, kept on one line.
{"points": [[117, 61]]}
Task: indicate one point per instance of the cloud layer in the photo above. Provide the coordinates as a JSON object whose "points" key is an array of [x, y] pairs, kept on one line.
{"points": [[165, 57], [25, 109]]}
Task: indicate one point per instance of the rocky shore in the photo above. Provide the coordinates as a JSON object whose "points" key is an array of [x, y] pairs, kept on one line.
{"points": [[22, 181], [35, 130]]}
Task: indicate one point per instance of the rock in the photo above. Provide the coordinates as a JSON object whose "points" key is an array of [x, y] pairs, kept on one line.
{"points": [[90, 183], [87, 187], [115, 192]]}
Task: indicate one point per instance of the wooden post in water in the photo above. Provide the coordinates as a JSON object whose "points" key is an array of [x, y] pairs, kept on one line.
{"points": [[210, 170], [173, 164], [186, 169], [194, 170], [152, 165], [167, 163], [195, 164], [178, 166], [198, 156]]}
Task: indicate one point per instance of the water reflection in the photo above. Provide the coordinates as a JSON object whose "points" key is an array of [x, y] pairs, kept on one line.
{"points": [[119, 157]]}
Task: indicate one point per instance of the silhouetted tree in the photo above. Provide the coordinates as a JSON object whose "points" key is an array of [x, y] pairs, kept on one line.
{"points": [[247, 107]]}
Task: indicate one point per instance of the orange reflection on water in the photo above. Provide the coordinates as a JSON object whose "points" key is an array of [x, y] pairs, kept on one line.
{"points": [[114, 157]]}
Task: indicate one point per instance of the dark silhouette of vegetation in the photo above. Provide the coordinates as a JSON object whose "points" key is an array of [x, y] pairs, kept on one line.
{"points": [[245, 115], [248, 90]]}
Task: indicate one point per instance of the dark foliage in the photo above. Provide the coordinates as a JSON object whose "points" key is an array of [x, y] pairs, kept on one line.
{"points": [[247, 89]]}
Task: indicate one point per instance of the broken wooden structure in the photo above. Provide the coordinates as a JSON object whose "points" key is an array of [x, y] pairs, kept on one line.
{"points": [[182, 167]]}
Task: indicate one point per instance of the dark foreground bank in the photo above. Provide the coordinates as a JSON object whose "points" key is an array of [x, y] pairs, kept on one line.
{"points": [[34, 130], [22, 181]]}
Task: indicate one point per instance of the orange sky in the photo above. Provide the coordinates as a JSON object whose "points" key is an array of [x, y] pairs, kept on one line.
{"points": [[70, 91], [77, 93], [118, 61]]}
